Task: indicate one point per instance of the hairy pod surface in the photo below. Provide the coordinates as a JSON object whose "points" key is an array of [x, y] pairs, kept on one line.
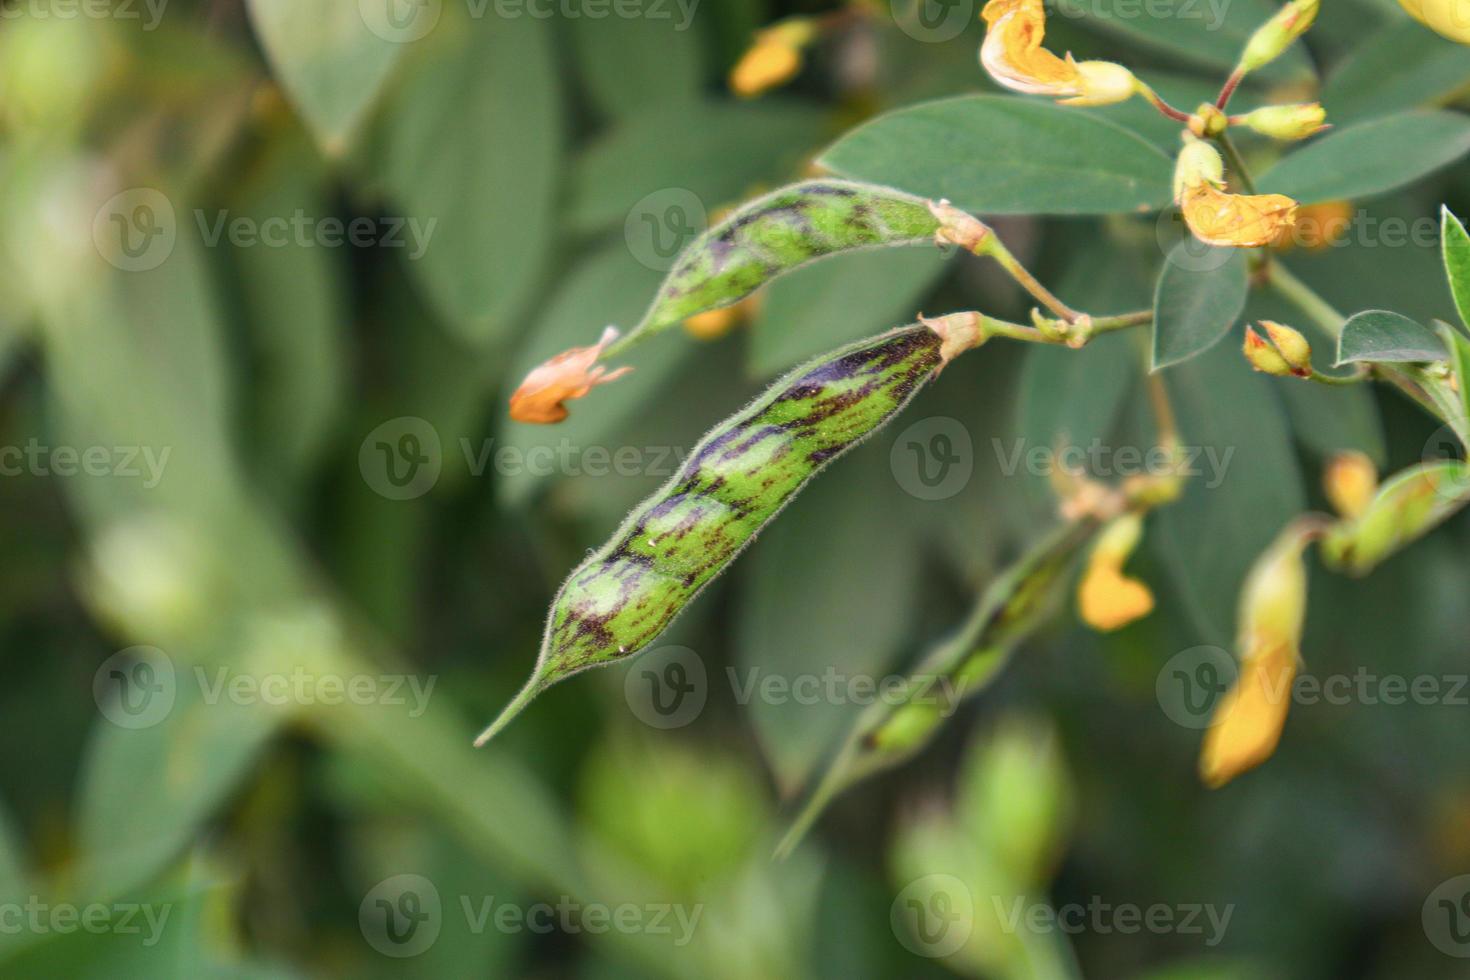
{"points": [[774, 234], [733, 483]]}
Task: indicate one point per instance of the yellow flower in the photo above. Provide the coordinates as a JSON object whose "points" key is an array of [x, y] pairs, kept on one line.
{"points": [[1013, 55], [1285, 353], [1248, 720], [1218, 217], [1107, 599], [774, 58], [570, 374], [1450, 18], [1350, 482]]}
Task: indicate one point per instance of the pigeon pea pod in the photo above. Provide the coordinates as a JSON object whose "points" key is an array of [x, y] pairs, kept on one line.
{"points": [[775, 234], [1405, 509], [731, 485], [1007, 612]]}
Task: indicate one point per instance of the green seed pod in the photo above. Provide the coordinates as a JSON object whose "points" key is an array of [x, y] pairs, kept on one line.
{"points": [[733, 483], [772, 235], [1405, 509], [1009, 611]]}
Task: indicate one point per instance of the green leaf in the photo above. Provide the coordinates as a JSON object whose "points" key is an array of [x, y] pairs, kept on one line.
{"points": [[836, 300], [714, 152], [330, 63], [775, 234], [1205, 34], [1459, 348], [1402, 66], [1004, 155], [732, 485], [1329, 419], [1378, 335], [1371, 158], [471, 142], [629, 64], [1245, 487], [1455, 246], [1407, 507], [1201, 293]]}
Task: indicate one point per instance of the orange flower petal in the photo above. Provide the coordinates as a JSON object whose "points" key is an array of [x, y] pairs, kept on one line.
{"points": [[1235, 220], [1249, 719], [1013, 55], [1108, 600], [570, 374]]}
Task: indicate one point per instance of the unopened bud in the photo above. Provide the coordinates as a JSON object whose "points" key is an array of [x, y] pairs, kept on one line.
{"points": [[1198, 163], [1350, 482], [1103, 83], [773, 59], [1287, 122], [1404, 509], [1285, 353], [1272, 38]]}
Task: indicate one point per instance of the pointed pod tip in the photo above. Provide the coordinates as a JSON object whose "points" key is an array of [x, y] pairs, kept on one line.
{"points": [[508, 714]]}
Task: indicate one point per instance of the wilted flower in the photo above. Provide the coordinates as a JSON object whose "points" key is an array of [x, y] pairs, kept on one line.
{"points": [[570, 374], [1217, 217], [1013, 55]]}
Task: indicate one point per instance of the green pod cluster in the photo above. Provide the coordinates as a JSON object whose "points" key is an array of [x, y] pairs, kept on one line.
{"points": [[733, 483], [775, 234], [962, 666], [1405, 509]]}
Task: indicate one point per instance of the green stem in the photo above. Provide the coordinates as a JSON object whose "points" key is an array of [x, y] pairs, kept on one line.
{"points": [[1305, 299], [1236, 162], [993, 247]]}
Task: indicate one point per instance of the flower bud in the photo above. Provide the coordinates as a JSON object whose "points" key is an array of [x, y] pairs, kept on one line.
{"points": [[1285, 353], [1248, 720], [773, 59], [1107, 599], [1276, 35], [1350, 482], [1208, 121], [1198, 163], [1287, 122], [1405, 509]]}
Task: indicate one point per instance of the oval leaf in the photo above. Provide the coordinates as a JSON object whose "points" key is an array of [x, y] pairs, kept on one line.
{"points": [[995, 154], [1371, 158], [1400, 67], [1199, 298], [732, 485], [1378, 335], [1455, 244]]}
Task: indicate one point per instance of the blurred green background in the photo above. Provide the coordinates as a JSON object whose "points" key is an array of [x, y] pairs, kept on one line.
{"points": [[274, 553]]}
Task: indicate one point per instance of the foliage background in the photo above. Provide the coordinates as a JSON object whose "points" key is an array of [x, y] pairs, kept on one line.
{"points": [[537, 144]]}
